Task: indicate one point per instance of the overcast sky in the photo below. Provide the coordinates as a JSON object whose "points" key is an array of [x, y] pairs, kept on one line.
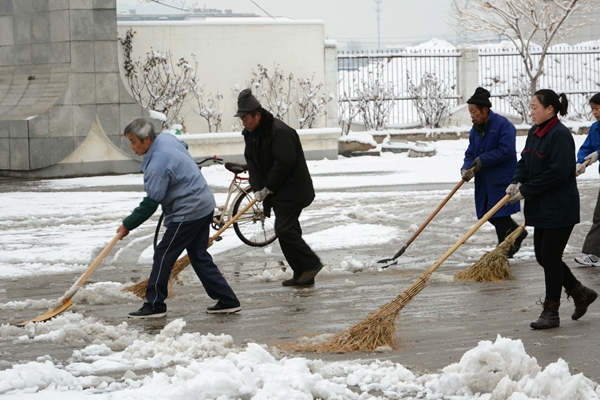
{"points": [[402, 22]]}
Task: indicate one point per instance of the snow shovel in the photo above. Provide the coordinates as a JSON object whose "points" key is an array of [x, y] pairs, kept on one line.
{"points": [[66, 302], [393, 260], [139, 289]]}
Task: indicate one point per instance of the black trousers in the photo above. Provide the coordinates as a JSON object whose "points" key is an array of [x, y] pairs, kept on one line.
{"points": [[193, 237], [299, 256], [591, 245], [549, 245], [504, 226]]}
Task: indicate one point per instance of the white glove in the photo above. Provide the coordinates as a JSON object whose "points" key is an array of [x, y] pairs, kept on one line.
{"points": [[579, 169], [516, 197], [262, 194], [593, 157], [513, 188]]}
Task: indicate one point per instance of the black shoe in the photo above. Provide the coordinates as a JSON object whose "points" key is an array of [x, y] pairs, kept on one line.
{"points": [[308, 276], [221, 308], [147, 312], [294, 282]]}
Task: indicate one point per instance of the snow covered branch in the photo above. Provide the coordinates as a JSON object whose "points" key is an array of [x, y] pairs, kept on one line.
{"points": [[310, 103], [525, 23], [273, 90], [374, 98], [157, 84], [430, 98]]}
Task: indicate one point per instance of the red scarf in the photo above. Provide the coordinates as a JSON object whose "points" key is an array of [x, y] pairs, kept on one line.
{"points": [[549, 125]]}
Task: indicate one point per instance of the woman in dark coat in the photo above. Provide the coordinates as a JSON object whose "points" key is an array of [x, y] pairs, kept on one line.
{"points": [[545, 178]]}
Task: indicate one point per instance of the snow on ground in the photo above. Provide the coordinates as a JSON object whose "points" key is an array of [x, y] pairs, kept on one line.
{"points": [[37, 236]]}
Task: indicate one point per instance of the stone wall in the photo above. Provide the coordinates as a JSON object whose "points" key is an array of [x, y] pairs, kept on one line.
{"points": [[59, 73]]}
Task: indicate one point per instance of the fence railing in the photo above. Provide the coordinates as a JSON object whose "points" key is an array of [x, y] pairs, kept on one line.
{"points": [[397, 68], [574, 71]]}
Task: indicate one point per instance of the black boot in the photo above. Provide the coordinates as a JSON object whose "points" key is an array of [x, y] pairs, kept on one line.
{"points": [[583, 297], [549, 317]]}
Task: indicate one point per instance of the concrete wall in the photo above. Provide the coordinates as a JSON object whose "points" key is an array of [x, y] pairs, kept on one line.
{"points": [[229, 49], [59, 74]]}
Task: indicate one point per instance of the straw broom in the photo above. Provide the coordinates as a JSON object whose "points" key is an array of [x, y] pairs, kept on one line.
{"points": [[493, 266], [379, 327], [139, 289]]}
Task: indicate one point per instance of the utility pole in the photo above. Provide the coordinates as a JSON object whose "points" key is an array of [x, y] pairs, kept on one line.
{"points": [[378, 10]]}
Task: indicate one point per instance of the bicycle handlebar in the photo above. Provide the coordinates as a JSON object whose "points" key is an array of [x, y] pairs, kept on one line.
{"points": [[214, 159]]}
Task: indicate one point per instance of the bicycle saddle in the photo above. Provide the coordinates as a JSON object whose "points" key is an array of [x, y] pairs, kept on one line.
{"points": [[237, 168]]}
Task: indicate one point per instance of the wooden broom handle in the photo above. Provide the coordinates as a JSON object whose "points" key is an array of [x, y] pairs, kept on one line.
{"points": [[467, 235], [232, 220]]}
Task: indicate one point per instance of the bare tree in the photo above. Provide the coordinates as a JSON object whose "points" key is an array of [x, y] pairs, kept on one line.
{"points": [[430, 98], [519, 97], [206, 105], [347, 111], [524, 23], [375, 98], [310, 103], [157, 84], [273, 90]]}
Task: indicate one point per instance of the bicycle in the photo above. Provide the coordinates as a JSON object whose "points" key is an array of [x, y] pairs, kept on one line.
{"points": [[253, 227]]}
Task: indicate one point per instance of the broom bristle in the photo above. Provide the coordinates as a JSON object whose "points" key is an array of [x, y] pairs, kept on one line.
{"points": [[493, 266], [377, 330], [139, 289]]}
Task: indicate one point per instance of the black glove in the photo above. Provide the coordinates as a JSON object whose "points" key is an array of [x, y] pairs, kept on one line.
{"points": [[477, 164], [467, 174]]}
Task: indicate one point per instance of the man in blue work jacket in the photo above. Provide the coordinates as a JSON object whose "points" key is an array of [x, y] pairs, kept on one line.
{"points": [[492, 159]]}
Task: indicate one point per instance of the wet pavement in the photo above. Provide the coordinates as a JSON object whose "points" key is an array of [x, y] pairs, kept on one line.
{"points": [[442, 322]]}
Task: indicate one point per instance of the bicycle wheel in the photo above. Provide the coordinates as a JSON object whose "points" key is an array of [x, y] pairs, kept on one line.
{"points": [[253, 227]]}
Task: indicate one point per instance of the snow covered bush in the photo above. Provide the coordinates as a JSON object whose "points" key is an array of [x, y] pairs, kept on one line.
{"points": [[374, 98], [347, 111], [156, 83], [273, 90], [519, 97], [430, 98], [311, 103], [206, 105]]}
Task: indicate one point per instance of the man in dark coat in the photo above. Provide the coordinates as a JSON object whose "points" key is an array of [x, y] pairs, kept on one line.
{"points": [[280, 179], [492, 159]]}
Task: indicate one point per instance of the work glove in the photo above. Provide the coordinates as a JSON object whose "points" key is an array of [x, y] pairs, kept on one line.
{"points": [[262, 194], [593, 157], [516, 197], [579, 169], [477, 164], [467, 174], [513, 188]]}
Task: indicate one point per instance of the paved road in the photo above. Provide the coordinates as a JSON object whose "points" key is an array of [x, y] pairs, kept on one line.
{"points": [[445, 320]]}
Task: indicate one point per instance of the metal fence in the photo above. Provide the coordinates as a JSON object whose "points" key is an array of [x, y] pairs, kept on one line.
{"points": [[396, 68], [574, 71]]}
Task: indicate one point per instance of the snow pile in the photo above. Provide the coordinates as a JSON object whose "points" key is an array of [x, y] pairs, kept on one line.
{"points": [[192, 365]]}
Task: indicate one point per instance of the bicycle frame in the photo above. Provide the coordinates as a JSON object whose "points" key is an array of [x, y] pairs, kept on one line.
{"points": [[235, 187]]}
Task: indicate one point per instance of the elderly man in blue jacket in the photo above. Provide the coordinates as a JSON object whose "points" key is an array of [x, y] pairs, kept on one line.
{"points": [[173, 180], [492, 159]]}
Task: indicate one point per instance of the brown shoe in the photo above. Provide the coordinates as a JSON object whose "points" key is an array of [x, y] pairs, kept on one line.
{"points": [[294, 282], [309, 275]]}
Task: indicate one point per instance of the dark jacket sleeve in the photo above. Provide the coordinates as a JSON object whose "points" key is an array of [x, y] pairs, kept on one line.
{"points": [[470, 152], [283, 149], [256, 178], [141, 213]]}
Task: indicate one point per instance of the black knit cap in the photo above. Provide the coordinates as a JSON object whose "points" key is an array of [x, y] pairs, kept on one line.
{"points": [[246, 103], [480, 98]]}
